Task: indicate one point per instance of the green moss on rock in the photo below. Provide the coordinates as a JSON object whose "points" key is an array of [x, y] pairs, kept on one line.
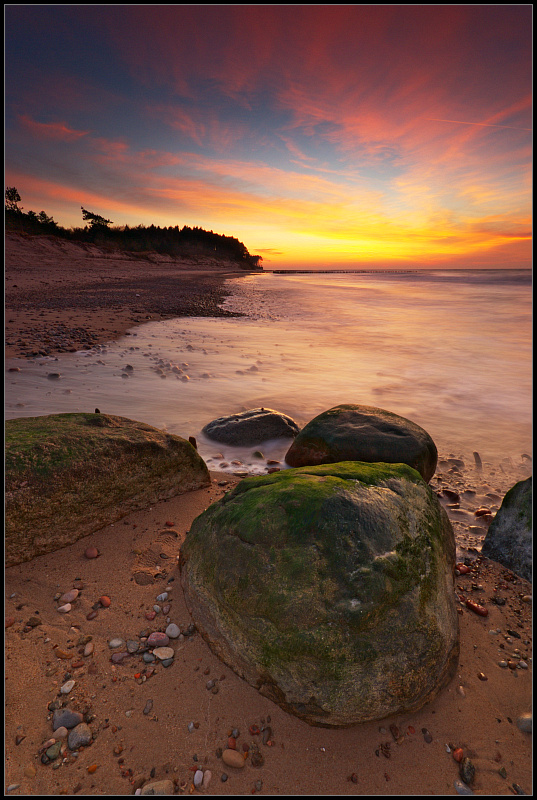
{"points": [[319, 582], [68, 475]]}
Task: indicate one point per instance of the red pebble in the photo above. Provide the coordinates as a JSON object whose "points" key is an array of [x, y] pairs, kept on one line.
{"points": [[91, 552], [150, 614], [254, 730], [477, 609], [458, 754], [463, 569], [91, 615], [231, 743], [411, 729], [9, 622], [169, 524], [105, 601]]}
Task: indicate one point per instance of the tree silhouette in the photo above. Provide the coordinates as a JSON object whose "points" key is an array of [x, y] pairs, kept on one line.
{"points": [[12, 199], [95, 220]]}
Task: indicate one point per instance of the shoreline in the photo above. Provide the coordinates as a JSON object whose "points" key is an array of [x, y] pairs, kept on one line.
{"points": [[61, 297]]}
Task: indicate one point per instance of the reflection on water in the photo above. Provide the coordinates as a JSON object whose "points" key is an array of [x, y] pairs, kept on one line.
{"points": [[451, 351]]}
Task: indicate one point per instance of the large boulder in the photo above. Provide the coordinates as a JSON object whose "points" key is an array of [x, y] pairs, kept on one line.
{"points": [[329, 589], [251, 427], [509, 537], [363, 433], [67, 475]]}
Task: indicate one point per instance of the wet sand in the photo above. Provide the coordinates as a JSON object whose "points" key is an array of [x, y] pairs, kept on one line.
{"points": [[477, 712]]}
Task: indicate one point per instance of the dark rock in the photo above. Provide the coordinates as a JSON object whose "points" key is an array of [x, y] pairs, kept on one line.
{"points": [[251, 427], [509, 537], [330, 589], [66, 718], [363, 433], [86, 471]]}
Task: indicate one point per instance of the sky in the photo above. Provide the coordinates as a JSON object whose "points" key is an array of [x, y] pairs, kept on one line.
{"points": [[321, 136]]}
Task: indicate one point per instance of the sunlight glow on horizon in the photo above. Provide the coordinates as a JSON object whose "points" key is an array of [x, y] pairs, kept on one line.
{"points": [[313, 134]]}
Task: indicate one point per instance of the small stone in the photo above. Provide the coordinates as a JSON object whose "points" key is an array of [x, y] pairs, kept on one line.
{"points": [[105, 601], [158, 787], [67, 687], [91, 552], [88, 649], [157, 639], [65, 718], [482, 676], [65, 608], [232, 758], [467, 771], [117, 658], [148, 658], [522, 665], [61, 732], [525, 722], [30, 772], [163, 653], [462, 788], [207, 775], [173, 631], [115, 643], [132, 646], [198, 778], [80, 736], [148, 707], [68, 597], [502, 664], [162, 597], [53, 752]]}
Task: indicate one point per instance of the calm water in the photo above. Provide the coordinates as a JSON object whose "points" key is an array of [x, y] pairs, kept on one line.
{"points": [[449, 350]]}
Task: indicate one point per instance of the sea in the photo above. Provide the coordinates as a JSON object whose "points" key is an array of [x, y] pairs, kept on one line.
{"points": [[449, 349]]}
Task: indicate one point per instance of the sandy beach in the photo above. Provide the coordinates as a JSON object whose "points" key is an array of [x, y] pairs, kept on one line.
{"points": [[152, 723]]}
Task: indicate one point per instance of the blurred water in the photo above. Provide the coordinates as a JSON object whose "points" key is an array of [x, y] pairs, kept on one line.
{"points": [[449, 350]]}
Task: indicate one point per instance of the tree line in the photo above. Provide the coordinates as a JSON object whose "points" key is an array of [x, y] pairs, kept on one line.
{"points": [[172, 240]]}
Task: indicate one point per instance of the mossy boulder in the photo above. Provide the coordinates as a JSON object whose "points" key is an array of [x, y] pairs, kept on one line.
{"points": [[329, 589], [67, 475], [363, 433], [251, 427], [510, 534]]}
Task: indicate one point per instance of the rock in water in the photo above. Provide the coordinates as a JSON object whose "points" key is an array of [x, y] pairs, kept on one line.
{"points": [[84, 471], [251, 427], [363, 433], [509, 537], [329, 589]]}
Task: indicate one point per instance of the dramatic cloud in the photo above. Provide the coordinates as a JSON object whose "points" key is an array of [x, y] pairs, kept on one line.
{"points": [[368, 134]]}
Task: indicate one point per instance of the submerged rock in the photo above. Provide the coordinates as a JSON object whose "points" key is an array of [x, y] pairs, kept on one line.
{"points": [[509, 537], [251, 427], [329, 589], [83, 471], [363, 433]]}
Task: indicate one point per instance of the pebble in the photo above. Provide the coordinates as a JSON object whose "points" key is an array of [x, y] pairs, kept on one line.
{"points": [[163, 653], [65, 718], [88, 649], [162, 597], [105, 601], [461, 788], [148, 658], [117, 658], [158, 787], [79, 736], [117, 642], [91, 552], [148, 707], [207, 775], [68, 597], [157, 639], [525, 722], [198, 778], [467, 771], [53, 751], [67, 687], [522, 665], [173, 631], [61, 732], [65, 608], [132, 646], [232, 758]]}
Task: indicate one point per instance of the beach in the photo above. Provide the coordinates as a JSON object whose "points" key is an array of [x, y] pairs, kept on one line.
{"points": [[88, 299]]}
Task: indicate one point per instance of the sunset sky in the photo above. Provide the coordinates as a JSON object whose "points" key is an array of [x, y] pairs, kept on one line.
{"points": [[320, 136]]}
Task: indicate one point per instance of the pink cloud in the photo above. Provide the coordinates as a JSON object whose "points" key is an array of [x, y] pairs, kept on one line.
{"points": [[51, 130]]}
